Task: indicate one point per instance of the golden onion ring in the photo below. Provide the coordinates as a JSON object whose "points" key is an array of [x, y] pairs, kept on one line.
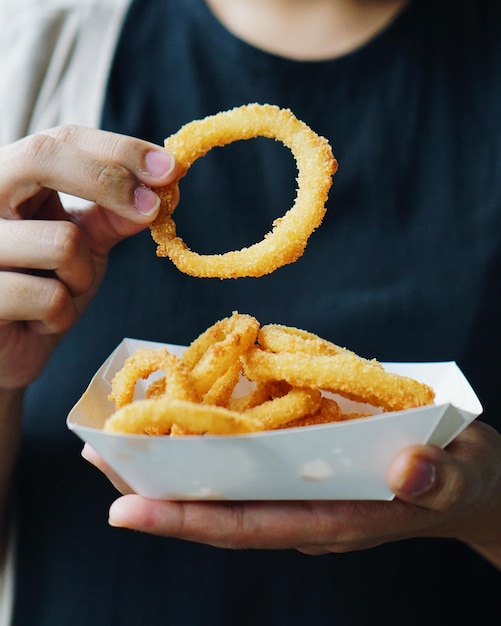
{"points": [[158, 416], [287, 369], [295, 404], [142, 364], [346, 374], [286, 242], [328, 412], [221, 391], [279, 338], [213, 353]]}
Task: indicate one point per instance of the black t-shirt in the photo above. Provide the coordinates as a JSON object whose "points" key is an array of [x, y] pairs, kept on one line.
{"points": [[406, 266]]}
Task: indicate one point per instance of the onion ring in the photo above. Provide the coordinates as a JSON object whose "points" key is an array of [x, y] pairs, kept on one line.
{"points": [[158, 416], [222, 390], [346, 374], [142, 364], [219, 394], [295, 404], [287, 369], [328, 411], [212, 354], [262, 392], [286, 242], [278, 338]]}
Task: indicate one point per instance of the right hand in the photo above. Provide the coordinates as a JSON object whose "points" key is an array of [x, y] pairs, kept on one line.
{"points": [[51, 259]]}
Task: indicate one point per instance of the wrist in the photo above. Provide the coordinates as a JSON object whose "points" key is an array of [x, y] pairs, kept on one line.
{"points": [[11, 409], [11, 404]]}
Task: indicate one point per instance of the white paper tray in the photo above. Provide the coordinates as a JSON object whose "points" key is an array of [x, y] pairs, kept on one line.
{"points": [[339, 461]]}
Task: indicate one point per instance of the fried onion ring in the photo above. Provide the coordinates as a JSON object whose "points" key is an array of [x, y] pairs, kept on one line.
{"points": [[212, 354], [294, 405], [157, 416], [142, 364], [346, 374], [262, 392], [222, 390], [287, 370], [286, 242], [328, 411], [278, 338]]}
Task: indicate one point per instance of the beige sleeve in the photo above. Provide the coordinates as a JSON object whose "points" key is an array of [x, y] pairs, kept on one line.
{"points": [[7, 570], [55, 58]]}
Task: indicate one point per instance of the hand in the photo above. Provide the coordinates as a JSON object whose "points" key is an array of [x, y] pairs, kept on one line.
{"points": [[51, 259], [440, 493]]}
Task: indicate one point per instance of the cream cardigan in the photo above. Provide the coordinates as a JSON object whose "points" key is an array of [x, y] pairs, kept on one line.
{"points": [[55, 57]]}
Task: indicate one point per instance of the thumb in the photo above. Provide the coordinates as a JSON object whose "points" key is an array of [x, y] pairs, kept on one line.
{"points": [[426, 476], [104, 228], [465, 473]]}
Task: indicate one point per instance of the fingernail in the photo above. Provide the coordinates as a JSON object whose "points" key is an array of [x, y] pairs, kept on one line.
{"points": [[85, 452], [89, 454], [115, 515], [421, 479], [159, 163], [146, 201]]}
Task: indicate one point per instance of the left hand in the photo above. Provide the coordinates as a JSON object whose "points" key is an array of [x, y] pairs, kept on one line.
{"points": [[454, 493]]}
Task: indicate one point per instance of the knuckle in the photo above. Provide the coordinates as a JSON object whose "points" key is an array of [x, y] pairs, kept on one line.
{"points": [[112, 176], [38, 147], [66, 132], [58, 312], [67, 242], [117, 147], [244, 531], [23, 164], [455, 491]]}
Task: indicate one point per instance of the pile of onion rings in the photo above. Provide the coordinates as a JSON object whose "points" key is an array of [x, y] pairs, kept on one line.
{"points": [[286, 241], [292, 375]]}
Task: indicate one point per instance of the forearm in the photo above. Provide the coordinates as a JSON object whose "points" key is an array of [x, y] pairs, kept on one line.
{"points": [[11, 402]]}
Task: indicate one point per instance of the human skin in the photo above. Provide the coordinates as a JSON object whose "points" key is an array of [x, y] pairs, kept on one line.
{"points": [[453, 493], [306, 30], [52, 266], [51, 259]]}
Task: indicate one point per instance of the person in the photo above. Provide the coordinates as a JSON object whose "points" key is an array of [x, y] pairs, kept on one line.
{"points": [[406, 266]]}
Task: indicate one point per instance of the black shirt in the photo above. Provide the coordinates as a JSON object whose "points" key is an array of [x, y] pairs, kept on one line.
{"points": [[406, 266]]}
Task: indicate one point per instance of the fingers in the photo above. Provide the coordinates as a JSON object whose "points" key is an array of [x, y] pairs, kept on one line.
{"points": [[90, 455], [66, 251], [226, 525], [150, 163], [462, 483], [452, 493], [48, 265], [313, 528], [111, 170], [43, 303], [57, 247]]}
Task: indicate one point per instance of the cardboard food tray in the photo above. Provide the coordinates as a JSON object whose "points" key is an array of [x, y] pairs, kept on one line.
{"points": [[340, 461]]}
